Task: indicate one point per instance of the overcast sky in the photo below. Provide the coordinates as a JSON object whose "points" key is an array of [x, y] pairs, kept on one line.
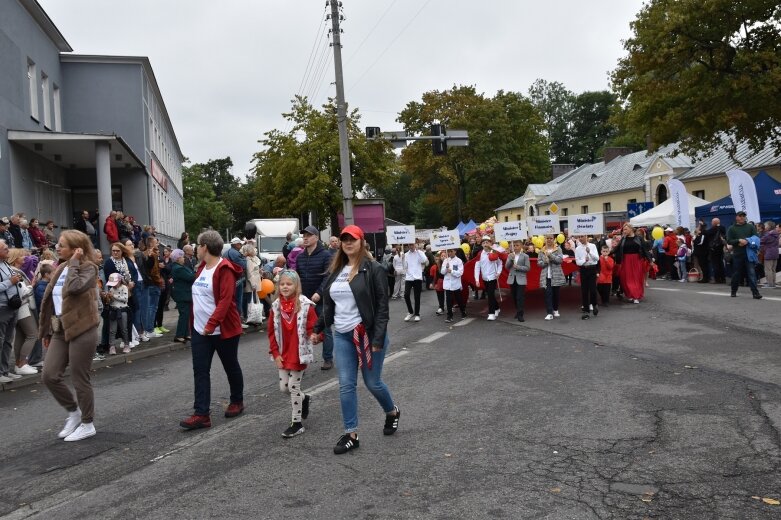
{"points": [[228, 69]]}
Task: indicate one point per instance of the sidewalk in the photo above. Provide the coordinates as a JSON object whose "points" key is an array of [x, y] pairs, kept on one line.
{"points": [[153, 347]]}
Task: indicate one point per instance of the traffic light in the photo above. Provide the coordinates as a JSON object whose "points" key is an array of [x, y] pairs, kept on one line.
{"points": [[439, 146], [372, 132]]}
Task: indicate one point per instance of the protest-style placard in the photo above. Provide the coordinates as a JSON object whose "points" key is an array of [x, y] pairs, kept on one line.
{"points": [[510, 231], [447, 239], [586, 224], [400, 234], [544, 225]]}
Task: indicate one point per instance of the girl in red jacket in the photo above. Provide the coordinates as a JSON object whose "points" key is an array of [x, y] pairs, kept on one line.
{"points": [[605, 277], [290, 324]]}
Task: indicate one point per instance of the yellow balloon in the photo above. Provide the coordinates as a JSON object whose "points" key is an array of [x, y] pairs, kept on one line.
{"points": [[504, 244], [482, 227], [538, 242], [560, 238], [657, 233], [465, 248]]}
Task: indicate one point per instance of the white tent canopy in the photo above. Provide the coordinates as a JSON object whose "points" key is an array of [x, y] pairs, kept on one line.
{"points": [[664, 214]]}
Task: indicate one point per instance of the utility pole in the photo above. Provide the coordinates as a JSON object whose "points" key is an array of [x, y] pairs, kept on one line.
{"points": [[341, 117]]}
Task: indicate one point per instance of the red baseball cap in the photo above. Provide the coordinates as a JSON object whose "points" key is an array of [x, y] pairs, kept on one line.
{"points": [[353, 231]]}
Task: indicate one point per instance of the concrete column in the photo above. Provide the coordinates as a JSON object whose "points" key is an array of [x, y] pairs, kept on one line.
{"points": [[103, 174]]}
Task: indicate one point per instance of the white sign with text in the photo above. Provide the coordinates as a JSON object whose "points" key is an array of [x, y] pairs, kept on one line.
{"points": [[586, 224], [400, 234], [545, 225], [444, 240], [510, 231]]}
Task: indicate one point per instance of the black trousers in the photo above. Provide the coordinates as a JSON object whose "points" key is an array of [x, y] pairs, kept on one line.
{"points": [[519, 296], [704, 267], [490, 290], [452, 297], [669, 261], [717, 264], [588, 286], [604, 293], [409, 287]]}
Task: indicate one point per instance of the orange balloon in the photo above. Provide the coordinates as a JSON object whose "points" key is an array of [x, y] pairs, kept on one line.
{"points": [[266, 288]]}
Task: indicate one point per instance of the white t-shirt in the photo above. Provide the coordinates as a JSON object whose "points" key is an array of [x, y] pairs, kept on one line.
{"points": [[57, 292], [346, 315], [414, 262], [203, 299]]}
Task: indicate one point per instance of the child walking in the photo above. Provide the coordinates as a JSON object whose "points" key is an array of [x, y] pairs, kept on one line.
{"points": [[681, 257], [605, 277], [118, 296], [291, 322]]}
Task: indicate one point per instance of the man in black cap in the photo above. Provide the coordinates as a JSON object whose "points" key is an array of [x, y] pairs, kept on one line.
{"points": [[737, 237], [312, 266]]}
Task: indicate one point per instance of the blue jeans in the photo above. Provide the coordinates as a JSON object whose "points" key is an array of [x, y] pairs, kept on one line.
{"points": [[328, 341], [203, 349], [347, 366], [742, 267], [142, 302], [153, 295]]}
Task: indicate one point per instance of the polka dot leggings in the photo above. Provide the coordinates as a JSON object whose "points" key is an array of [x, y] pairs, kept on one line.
{"points": [[290, 381]]}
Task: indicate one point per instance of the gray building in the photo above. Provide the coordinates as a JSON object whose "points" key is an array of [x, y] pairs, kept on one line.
{"points": [[82, 132]]}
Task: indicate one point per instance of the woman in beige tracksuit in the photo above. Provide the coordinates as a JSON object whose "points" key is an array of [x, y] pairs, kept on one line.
{"points": [[69, 329]]}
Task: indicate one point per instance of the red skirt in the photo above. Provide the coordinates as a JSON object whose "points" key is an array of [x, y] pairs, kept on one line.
{"points": [[632, 276]]}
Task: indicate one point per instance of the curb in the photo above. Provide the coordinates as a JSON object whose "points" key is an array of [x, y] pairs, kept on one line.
{"points": [[119, 359]]}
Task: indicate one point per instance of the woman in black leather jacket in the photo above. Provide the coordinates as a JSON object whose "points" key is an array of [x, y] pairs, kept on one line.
{"points": [[355, 304]]}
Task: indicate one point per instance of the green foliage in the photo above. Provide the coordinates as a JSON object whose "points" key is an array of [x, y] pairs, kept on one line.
{"points": [[201, 208], [506, 152], [591, 128], [705, 73], [556, 104], [298, 171]]}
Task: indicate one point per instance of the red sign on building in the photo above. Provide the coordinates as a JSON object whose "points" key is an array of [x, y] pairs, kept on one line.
{"points": [[158, 174]]}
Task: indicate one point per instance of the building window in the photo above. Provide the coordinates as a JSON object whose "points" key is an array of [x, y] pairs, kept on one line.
{"points": [[506, 218], [699, 193], [631, 201], [32, 80], [57, 108], [47, 111], [564, 212], [584, 209], [519, 216], [606, 206], [547, 212]]}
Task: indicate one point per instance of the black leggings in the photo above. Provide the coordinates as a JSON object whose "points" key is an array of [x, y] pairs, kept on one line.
{"points": [[416, 286]]}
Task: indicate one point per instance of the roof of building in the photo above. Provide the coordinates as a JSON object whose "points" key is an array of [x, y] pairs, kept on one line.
{"points": [[719, 162], [136, 60], [542, 189], [515, 203], [46, 24]]}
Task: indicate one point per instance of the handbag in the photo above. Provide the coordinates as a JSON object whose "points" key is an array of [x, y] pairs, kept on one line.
{"points": [[255, 310], [15, 301]]}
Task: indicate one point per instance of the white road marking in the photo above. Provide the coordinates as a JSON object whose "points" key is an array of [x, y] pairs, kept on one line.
{"points": [[663, 289], [771, 298], [713, 293], [464, 322], [432, 337]]}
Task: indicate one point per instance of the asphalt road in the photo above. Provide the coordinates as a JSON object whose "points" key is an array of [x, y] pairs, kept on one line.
{"points": [[667, 409]]}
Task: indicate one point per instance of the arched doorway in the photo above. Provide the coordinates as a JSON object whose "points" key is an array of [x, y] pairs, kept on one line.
{"points": [[661, 194]]}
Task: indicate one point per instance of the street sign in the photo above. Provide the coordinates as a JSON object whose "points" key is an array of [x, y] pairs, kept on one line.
{"points": [[553, 208], [634, 209]]}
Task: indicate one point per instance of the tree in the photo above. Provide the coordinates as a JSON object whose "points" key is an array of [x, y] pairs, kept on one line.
{"points": [[299, 171], [556, 104], [591, 128], [707, 74], [201, 208], [506, 152]]}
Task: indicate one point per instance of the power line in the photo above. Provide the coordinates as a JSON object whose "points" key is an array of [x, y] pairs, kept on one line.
{"points": [[319, 72], [390, 44], [387, 10], [310, 62]]}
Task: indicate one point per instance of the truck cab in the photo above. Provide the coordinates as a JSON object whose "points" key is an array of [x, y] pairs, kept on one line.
{"points": [[270, 235]]}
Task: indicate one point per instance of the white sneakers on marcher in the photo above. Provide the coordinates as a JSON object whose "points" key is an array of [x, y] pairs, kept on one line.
{"points": [[71, 423], [25, 370], [409, 317], [82, 432], [549, 317], [556, 314], [491, 317]]}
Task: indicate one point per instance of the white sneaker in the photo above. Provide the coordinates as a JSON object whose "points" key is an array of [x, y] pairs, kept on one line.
{"points": [[549, 317], [439, 311], [408, 317], [13, 376], [556, 314], [25, 370], [417, 318], [144, 337], [591, 307], [491, 317], [635, 301], [244, 326], [133, 344], [112, 351], [82, 432], [5, 379], [71, 423], [155, 335], [496, 313]]}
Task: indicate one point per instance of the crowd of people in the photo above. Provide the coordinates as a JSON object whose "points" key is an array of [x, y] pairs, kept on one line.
{"points": [[62, 305]]}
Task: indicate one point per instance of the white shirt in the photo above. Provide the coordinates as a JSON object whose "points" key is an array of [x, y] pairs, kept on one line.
{"points": [[452, 281], [413, 263], [57, 292], [398, 264], [486, 268], [203, 299], [586, 255], [346, 315]]}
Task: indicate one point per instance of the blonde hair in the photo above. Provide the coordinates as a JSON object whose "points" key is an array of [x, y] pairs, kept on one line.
{"points": [[341, 259], [76, 239], [293, 277], [15, 253], [48, 254]]}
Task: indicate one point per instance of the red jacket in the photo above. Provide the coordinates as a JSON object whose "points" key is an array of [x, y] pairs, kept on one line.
{"points": [[110, 229], [289, 352], [670, 244], [606, 265], [38, 237], [226, 315]]}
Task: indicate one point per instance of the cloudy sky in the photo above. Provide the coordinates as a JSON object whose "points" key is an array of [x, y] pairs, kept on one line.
{"points": [[228, 69]]}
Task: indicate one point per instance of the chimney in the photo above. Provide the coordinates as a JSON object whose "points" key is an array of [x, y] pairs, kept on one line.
{"points": [[614, 152], [649, 144], [557, 170]]}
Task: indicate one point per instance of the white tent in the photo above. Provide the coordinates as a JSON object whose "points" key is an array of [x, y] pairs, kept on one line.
{"points": [[664, 214]]}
